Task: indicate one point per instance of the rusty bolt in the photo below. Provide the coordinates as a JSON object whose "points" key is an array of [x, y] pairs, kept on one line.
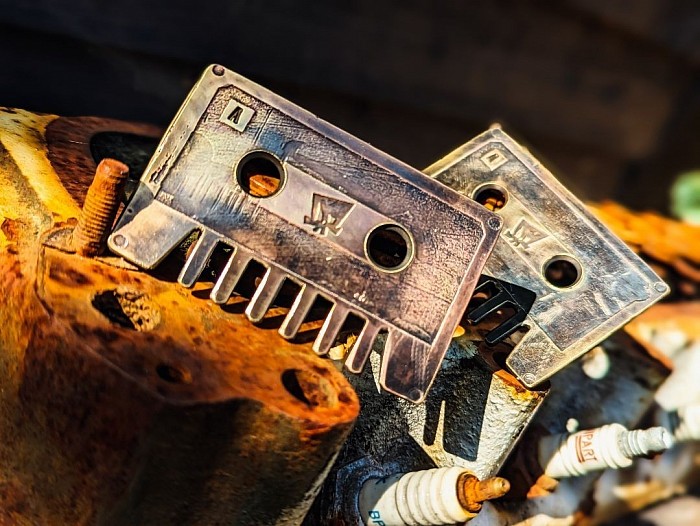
{"points": [[100, 208], [472, 492]]}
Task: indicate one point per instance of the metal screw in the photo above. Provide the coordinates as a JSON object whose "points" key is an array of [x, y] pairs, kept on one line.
{"points": [[100, 208], [120, 241], [661, 286], [218, 70], [495, 223]]}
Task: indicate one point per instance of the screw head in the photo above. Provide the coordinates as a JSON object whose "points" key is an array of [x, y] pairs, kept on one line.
{"points": [[218, 70], [120, 241], [495, 223], [415, 394], [528, 379], [660, 286]]}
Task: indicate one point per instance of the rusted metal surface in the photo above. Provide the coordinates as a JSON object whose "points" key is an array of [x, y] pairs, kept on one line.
{"points": [[472, 418], [669, 246], [624, 395], [125, 399], [472, 492], [650, 362]]}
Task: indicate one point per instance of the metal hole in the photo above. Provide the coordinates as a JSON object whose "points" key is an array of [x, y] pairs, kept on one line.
{"points": [[310, 388], [127, 308], [562, 272], [389, 247], [173, 375], [491, 196], [260, 174]]}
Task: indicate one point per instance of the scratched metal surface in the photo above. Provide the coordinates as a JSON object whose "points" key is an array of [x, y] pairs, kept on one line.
{"points": [[190, 185], [542, 221]]}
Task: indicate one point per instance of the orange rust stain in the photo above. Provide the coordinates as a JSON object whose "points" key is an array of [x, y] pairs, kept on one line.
{"points": [[665, 240], [11, 228]]}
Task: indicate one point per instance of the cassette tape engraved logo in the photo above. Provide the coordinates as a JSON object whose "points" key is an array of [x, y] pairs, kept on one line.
{"points": [[165, 198], [327, 215], [493, 159], [584, 447], [236, 115], [524, 235]]}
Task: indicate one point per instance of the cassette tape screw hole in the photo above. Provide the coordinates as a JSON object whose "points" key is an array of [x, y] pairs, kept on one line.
{"points": [[389, 247], [260, 175], [562, 272]]}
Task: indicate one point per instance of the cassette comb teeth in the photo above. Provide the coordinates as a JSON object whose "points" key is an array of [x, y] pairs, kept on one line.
{"points": [[505, 295], [317, 207], [587, 282]]}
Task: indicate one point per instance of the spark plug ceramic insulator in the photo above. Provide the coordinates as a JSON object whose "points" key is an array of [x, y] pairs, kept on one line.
{"points": [[683, 423], [609, 446], [432, 497]]}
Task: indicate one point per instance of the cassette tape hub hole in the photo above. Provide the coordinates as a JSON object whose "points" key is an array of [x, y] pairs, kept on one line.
{"points": [[562, 272], [260, 174], [491, 196], [389, 247]]}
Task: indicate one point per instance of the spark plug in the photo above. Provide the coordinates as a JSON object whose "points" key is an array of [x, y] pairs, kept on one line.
{"points": [[433, 497], [610, 446]]}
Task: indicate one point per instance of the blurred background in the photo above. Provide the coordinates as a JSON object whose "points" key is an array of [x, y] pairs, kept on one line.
{"points": [[606, 92]]}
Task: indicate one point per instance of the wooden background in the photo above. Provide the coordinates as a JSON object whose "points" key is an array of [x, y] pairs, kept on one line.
{"points": [[605, 91]]}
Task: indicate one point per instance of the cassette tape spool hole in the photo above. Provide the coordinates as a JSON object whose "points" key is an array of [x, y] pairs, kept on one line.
{"points": [[260, 174], [562, 272], [389, 247], [491, 196]]}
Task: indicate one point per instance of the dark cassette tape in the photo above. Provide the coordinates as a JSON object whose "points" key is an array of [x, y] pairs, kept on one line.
{"points": [[344, 221], [587, 282]]}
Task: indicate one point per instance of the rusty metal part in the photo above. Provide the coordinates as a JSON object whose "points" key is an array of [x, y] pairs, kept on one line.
{"points": [[623, 395], [100, 208], [670, 246], [472, 418], [322, 228], [125, 399], [588, 283], [472, 492], [75, 145]]}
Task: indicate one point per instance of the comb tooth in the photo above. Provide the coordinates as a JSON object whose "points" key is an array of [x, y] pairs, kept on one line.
{"points": [[194, 266], [504, 329], [408, 366], [357, 357], [265, 294], [490, 305], [331, 328], [298, 312], [232, 273]]}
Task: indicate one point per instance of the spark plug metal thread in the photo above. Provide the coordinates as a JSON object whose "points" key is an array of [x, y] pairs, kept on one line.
{"points": [[100, 208], [433, 497]]}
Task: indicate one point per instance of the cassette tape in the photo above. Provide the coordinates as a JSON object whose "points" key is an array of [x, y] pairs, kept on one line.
{"points": [[587, 282], [314, 205]]}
